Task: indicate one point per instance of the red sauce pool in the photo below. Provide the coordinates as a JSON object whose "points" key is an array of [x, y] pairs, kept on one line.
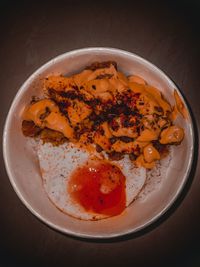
{"points": [[99, 188]]}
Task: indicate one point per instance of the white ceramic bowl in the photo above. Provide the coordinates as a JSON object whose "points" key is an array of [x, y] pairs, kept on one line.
{"points": [[23, 168]]}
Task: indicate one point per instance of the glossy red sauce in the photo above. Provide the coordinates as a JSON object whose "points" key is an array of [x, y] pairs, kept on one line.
{"points": [[99, 188]]}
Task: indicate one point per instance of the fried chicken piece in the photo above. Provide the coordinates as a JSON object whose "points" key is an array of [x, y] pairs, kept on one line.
{"points": [[59, 83], [30, 129], [54, 137]]}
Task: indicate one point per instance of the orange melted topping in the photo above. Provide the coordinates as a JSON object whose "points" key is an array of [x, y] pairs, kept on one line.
{"points": [[99, 188]]}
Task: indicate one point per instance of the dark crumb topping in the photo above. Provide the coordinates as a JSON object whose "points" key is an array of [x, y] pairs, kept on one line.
{"points": [[115, 155], [103, 107], [100, 65]]}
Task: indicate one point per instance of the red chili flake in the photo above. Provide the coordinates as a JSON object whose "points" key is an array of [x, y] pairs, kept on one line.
{"points": [[122, 119], [114, 125], [137, 95]]}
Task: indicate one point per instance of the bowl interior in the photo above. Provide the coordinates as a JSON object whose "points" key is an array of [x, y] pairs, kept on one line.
{"points": [[23, 168]]}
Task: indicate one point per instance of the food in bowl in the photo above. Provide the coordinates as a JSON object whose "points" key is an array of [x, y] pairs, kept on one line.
{"points": [[99, 133]]}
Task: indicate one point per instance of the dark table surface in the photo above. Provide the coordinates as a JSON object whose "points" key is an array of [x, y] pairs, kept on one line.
{"points": [[165, 33]]}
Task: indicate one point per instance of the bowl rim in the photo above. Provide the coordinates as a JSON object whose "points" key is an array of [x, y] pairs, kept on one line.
{"points": [[30, 79]]}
